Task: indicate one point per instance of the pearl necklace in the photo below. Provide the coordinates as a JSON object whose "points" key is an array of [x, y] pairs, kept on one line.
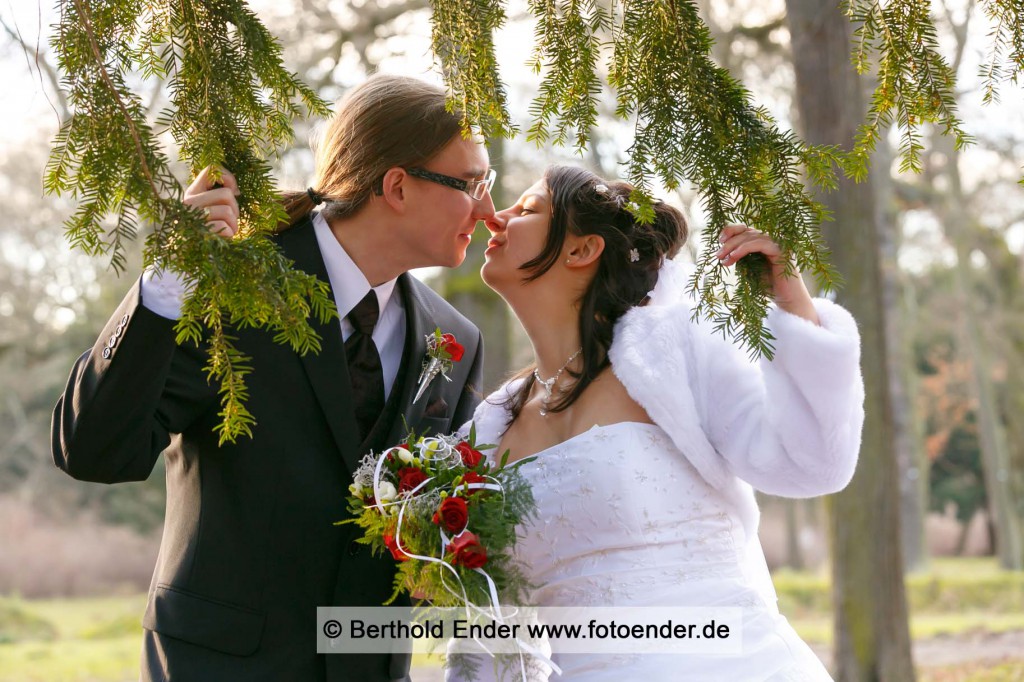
{"points": [[549, 384]]}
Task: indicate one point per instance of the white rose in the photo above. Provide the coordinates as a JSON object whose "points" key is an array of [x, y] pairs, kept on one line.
{"points": [[387, 491]]}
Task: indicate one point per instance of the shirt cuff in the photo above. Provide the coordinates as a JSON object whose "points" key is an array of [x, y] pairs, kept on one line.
{"points": [[162, 292]]}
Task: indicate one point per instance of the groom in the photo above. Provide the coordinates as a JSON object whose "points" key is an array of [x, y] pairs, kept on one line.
{"points": [[250, 549]]}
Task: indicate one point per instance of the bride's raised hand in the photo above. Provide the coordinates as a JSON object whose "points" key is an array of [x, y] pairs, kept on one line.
{"points": [[216, 200], [789, 291]]}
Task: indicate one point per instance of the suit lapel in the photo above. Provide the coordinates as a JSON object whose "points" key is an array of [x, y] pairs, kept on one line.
{"points": [[327, 370], [419, 319]]}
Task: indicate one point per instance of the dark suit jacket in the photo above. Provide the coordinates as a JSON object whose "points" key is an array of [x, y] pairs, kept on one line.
{"points": [[250, 548]]}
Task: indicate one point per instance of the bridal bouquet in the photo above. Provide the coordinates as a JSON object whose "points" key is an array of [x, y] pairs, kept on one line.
{"points": [[448, 515]]}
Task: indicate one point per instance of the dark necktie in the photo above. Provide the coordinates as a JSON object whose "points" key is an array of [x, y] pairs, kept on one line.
{"points": [[364, 364]]}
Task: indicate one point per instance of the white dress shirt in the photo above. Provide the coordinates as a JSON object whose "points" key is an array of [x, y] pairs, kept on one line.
{"points": [[162, 293]]}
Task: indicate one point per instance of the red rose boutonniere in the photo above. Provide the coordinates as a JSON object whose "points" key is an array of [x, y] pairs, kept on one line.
{"points": [[443, 351]]}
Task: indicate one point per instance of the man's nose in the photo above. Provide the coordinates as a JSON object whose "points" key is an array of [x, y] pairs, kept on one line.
{"points": [[495, 223], [484, 209]]}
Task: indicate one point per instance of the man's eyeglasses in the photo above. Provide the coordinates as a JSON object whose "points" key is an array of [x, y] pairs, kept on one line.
{"points": [[474, 188]]}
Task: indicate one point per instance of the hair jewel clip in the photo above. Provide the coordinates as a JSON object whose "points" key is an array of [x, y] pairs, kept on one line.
{"points": [[601, 189], [634, 255]]}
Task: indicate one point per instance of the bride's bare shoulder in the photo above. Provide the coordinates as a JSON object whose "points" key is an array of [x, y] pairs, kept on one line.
{"points": [[606, 401]]}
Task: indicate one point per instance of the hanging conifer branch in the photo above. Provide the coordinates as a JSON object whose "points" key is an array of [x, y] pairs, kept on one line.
{"points": [[695, 122], [232, 103], [571, 83], [1007, 54], [915, 84], [463, 42]]}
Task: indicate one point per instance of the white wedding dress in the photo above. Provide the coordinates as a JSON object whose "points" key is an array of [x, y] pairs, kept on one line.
{"points": [[664, 514], [625, 520]]}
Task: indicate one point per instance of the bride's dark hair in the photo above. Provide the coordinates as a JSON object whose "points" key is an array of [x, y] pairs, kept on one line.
{"points": [[581, 204]]}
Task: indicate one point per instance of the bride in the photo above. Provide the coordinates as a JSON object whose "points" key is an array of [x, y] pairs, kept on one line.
{"points": [[651, 431]]}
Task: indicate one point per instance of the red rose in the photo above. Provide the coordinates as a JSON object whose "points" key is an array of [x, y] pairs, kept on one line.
{"points": [[454, 348], [392, 544], [467, 551], [453, 514], [470, 457], [409, 478], [473, 477]]}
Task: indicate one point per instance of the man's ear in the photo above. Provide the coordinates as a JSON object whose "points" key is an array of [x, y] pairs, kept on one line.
{"points": [[584, 250], [393, 189]]}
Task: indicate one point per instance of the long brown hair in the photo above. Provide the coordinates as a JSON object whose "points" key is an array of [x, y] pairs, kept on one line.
{"points": [[385, 122], [582, 203]]}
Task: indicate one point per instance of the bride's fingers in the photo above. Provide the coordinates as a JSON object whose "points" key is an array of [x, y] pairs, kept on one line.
{"points": [[761, 244], [731, 230], [732, 241]]}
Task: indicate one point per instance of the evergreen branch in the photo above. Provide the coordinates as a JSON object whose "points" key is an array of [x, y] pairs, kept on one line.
{"points": [[915, 84], [571, 86], [231, 104], [83, 10], [463, 41], [694, 121], [1007, 38]]}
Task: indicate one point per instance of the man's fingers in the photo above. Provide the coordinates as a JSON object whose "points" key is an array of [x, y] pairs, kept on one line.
{"points": [[221, 229], [205, 181], [222, 213], [222, 196], [228, 181]]}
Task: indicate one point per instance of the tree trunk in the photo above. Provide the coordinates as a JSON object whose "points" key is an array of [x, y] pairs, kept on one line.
{"points": [[464, 289], [961, 538], [899, 304], [872, 638], [794, 555], [995, 453]]}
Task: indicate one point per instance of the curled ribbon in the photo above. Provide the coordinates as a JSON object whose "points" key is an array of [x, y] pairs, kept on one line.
{"points": [[441, 450]]}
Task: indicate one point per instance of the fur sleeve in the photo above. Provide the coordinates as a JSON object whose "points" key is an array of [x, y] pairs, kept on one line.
{"points": [[790, 426]]}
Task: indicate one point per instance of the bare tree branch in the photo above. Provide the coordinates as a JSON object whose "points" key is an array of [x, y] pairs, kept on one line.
{"points": [[33, 56]]}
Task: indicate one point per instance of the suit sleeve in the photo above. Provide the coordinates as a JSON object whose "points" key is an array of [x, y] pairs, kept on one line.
{"points": [[471, 393], [126, 396]]}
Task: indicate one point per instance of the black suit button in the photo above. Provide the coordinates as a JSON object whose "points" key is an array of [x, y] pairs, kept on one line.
{"points": [[124, 320], [112, 341], [119, 330], [106, 353]]}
